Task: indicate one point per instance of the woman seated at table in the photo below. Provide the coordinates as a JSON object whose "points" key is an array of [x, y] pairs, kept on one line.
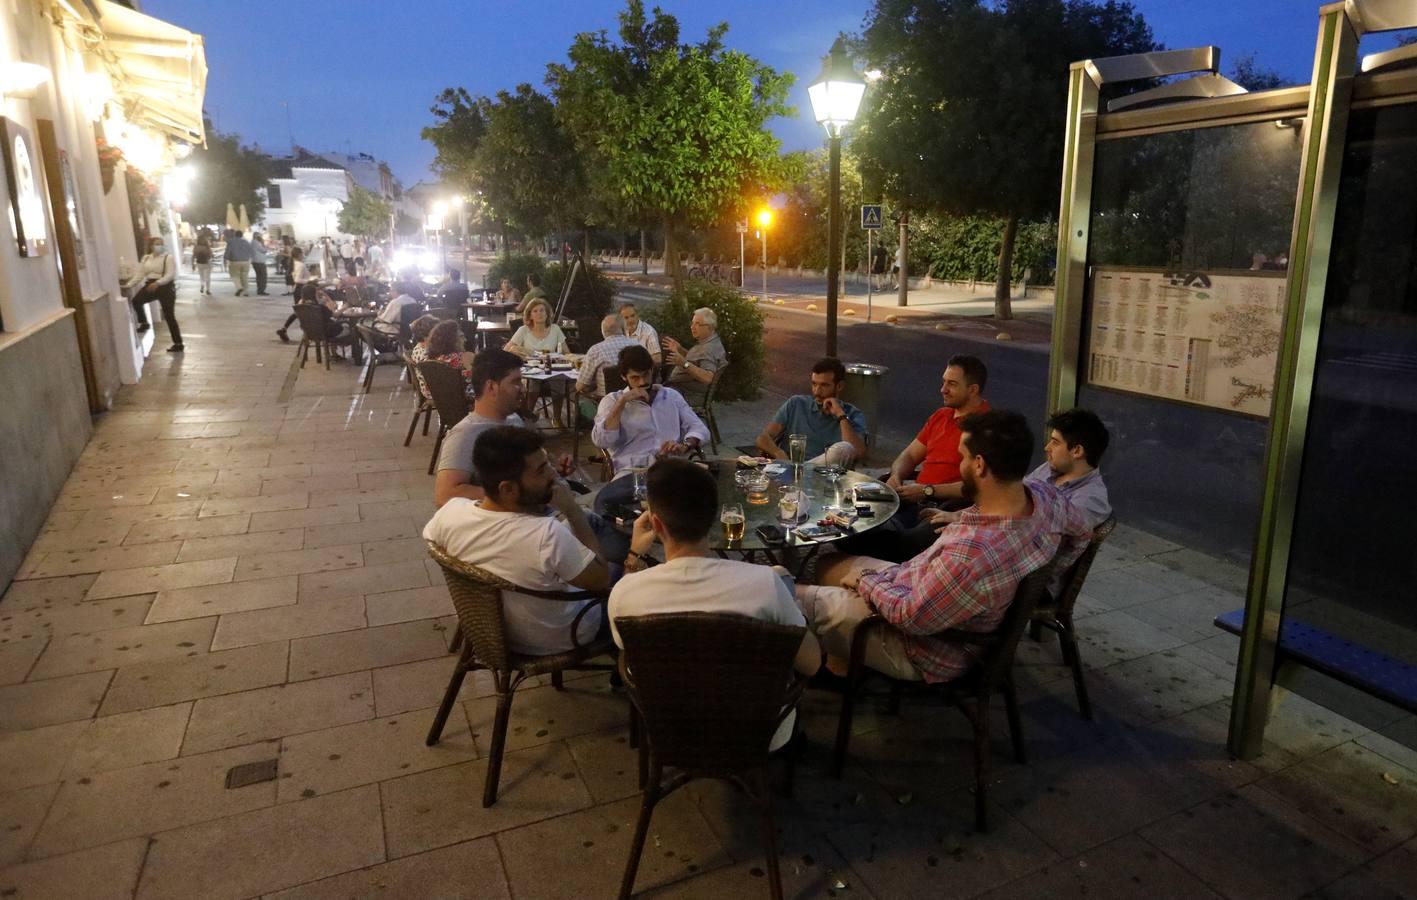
{"points": [[445, 345], [336, 331], [421, 328], [507, 292], [541, 335]]}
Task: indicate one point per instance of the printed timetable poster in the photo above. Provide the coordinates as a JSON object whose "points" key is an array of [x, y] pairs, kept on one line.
{"points": [[1206, 338]]}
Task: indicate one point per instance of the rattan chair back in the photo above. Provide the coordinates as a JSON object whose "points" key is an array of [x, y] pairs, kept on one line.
{"points": [[312, 322], [1077, 572], [710, 687], [477, 597], [993, 671], [447, 388]]}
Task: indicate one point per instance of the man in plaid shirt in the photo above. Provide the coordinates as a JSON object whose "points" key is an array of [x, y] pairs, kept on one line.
{"points": [[968, 577]]}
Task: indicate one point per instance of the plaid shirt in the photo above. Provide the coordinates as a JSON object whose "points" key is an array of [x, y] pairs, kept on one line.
{"points": [[602, 356], [968, 577]]}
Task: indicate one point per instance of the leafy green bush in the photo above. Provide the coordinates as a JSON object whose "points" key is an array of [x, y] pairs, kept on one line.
{"points": [[515, 268], [967, 248], [740, 327], [591, 295]]}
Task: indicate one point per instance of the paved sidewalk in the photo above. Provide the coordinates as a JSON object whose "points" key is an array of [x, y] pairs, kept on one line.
{"points": [[234, 573]]}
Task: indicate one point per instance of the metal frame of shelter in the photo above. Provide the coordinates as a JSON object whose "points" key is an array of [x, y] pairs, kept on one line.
{"points": [[1206, 101]]}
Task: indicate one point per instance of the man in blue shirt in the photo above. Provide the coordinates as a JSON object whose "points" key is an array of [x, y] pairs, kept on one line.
{"points": [[836, 431]]}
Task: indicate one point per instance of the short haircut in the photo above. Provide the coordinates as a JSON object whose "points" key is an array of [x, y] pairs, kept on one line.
{"points": [[684, 496], [710, 318], [455, 275], [443, 339], [975, 372], [423, 326], [610, 326], [625, 306], [526, 313], [500, 454], [830, 365], [1003, 438], [635, 359], [492, 365], [533, 279], [1082, 426]]}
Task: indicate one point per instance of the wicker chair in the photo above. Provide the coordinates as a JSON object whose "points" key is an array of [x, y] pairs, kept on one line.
{"points": [[1057, 615], [383, 351], [449, 392], [971, 692], [313, 334], [704, 410], [710, 690], [478, 597], [422, 406]]}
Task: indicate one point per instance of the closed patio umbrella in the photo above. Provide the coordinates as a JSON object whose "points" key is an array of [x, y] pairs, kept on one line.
{"points": [[231, 221], [243, 224]]}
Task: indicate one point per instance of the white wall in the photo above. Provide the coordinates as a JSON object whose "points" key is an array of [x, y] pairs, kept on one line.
{"points": [[310, 203]]}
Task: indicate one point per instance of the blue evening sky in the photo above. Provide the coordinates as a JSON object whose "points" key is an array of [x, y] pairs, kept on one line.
{"points": [[360, 75]]}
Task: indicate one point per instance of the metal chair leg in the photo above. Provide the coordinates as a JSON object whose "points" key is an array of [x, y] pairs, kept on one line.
{"points": [[449, 697], [637, 844], [1015, 723], [979, 718], [1068, 638], [843, 730], [769, 834], [437, 446], [413, 423], [499, 741]]}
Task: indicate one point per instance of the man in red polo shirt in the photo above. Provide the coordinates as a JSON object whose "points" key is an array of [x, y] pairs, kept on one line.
{"points": [[927, 470]]}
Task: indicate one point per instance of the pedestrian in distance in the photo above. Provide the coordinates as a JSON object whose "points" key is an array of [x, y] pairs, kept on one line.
{"points": [[202, 259]]}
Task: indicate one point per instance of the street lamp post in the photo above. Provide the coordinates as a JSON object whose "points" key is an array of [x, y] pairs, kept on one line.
{"points": [[836, 96], [764, 220], [440, 209]]}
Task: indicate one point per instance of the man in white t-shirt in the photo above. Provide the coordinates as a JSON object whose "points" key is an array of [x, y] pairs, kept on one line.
{"points": [[401, 310], [681, 510], [511, 533]]}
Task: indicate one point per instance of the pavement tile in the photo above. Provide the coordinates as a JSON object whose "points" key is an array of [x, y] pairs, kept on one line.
{"points": [[322, 762], [21, 813], [361, 532], [101, 873], [296, 562], [258, 504], [366, 648], [421, 510], [444, 806], [471, 870], [24, 594], [131, 515], [190, 528], [1298, 729], [17, 656], [302, 619], [1368, 798], [361, 496], [100, 498], [268, 713], [266, 849], [163, 683], [304, 518], [322, 485], [152, 798], [1252, 844], [542, 715], [1155, 687], [220, 599], [368, 580], [124, 646], [584, 854], [67, 618], [241, 545], [408, 605], [146, 580], [1126, 867], [382, 552], [129, 739], [53, 700], [79, 540], [416, 685], [79, 562], [37, 756]]}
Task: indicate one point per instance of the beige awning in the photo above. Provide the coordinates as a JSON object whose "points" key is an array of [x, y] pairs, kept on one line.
{"points": [[160, 70]]}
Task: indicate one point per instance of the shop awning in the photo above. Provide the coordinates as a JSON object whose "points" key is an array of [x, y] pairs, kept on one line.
{"points": [[161, 70]]}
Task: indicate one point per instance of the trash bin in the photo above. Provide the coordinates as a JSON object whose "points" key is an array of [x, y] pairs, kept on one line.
{"points": [[863, 390], [735, 276]]}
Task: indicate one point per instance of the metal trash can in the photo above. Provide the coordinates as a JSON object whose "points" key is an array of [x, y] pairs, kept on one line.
{"points": [[863, 391], [735, 276]]}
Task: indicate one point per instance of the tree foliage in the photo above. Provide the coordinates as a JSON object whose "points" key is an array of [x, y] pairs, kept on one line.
{"points": [[1252, 76], [365, 215], [526, 164], [226, 172], [740, 327], [460, 124], [967, 118], [673, 132]]}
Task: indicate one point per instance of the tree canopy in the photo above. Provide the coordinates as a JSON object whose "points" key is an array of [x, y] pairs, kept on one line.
{"points": [[226, 172], [460, 124], [365, 215], [526, 164]]}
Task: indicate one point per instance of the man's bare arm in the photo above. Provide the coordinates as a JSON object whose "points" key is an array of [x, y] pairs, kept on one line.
{"points": [[767, 441], [452, 483], [907, 462], [594, 577]]}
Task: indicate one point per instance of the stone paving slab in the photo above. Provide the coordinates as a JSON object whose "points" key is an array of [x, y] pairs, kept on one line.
{"points": [[234, 573]]}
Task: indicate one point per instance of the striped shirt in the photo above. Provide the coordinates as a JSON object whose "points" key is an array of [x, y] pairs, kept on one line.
{"points": [[602, 356], [968, 577]]}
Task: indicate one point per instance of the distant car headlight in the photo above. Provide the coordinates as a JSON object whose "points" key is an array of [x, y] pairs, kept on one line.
{"points": [[428, 261]]}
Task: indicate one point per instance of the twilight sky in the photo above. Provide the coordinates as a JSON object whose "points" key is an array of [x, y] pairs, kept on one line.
{"points": [[361, 79]]}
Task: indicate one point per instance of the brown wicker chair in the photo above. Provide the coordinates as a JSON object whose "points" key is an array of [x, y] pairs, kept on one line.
{"points": [[312, 330], [477, 597], [704, 410], [422, 406], [1057, 615], [383, 351], [449, 392], [971, 692], [710, 690]]}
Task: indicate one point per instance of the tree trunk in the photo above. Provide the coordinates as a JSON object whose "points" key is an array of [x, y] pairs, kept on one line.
{"points": [[506, 244], [671, 255], [1003, 284], [903, 276], [585, 245], [644, 254]]}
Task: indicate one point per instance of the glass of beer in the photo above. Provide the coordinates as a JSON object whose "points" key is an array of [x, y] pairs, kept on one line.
{"points": [[731, 515]]}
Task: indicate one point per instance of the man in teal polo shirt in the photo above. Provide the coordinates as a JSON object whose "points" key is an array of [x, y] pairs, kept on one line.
{"points": [[836, 431]]}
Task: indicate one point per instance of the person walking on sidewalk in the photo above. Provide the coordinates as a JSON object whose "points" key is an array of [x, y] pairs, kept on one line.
{"points": [[202, 259], [259, 258], [156, 279], [238, 252]]}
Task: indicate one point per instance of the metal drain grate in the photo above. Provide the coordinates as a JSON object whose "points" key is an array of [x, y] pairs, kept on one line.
{"points": [[251, 773]]}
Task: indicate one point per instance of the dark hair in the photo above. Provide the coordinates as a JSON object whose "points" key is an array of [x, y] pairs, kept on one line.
{"points": [[635, 359], [830, 365], [443, 339], [297, 253], [492, 365], [423, 326], [500, 454], [155, 239], [684, 496], [454, 274], [1003, 438], [975, 372], [1082, 426], [533, 279]]}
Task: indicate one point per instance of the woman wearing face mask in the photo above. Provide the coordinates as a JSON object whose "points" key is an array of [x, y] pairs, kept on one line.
{"points": [[157, 280]]}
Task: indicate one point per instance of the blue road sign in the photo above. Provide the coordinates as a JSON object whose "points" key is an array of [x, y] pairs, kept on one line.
{"points": [[871, 216]]}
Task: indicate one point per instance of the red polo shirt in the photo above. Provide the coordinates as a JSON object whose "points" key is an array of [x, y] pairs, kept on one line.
{"points": [[941, 439]]}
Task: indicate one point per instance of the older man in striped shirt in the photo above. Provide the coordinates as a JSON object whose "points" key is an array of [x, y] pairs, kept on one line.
{"points": [[968, 577]]}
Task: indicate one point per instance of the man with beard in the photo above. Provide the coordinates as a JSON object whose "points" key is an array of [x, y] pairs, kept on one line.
{"points": [[512, 532], [967, 578]]}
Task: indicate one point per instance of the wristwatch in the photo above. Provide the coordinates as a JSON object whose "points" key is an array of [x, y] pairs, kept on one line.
{"points": [[929, 490], [838, 418]]}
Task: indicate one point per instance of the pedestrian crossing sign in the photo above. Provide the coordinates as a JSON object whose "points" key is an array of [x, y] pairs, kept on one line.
{"points": [[871, 216]]}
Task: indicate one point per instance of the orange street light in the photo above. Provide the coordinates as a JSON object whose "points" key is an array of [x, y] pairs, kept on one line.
{"points": [[764, 217]]}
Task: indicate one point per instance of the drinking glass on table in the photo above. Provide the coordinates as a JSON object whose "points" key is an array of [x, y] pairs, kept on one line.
{"points": [[797, 451], [641, 490], [734, 522], [758, 488]]}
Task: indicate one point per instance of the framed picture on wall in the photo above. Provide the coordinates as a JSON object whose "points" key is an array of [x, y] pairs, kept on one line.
{"points": [[71, 207], [24, 180]]}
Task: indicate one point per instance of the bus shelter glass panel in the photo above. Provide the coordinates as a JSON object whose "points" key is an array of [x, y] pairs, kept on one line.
{"points": [[1187, 258], [1353, 569]]}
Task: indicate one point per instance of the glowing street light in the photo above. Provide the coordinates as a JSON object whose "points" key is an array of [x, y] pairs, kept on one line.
{"points": [[764, 218], [836, 96]]}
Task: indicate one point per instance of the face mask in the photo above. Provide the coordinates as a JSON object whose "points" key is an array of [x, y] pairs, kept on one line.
{"points": [[157, 249]]}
